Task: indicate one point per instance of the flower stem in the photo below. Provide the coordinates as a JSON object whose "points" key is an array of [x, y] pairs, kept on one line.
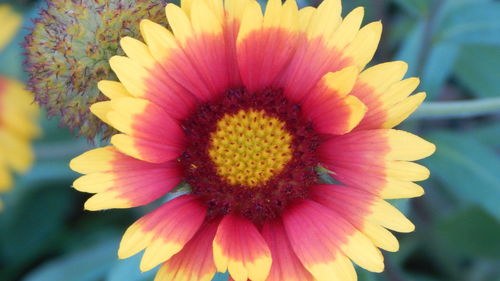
{"points": [[457, 109]]}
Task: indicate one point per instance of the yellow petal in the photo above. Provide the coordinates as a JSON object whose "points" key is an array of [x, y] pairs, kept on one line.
{"points": [[406, 171], [396, 189], [204, 20], [381, 237], [363, 47], [131, 74], [137, 51], [96, 160], [347, 30], [134, 240], [94, 183], [113, 89], [325, 20], [251, 20], [10, 22], [101, 110], [362, 251], [157, 252], [389, 217], [343, 80], [106, 200], [402, 110], [407, 146], [179, 22]]}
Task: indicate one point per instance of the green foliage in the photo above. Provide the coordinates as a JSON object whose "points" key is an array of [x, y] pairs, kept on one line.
{"points": [[84, 265], [475, 230], [467, 169], [478, 69]]}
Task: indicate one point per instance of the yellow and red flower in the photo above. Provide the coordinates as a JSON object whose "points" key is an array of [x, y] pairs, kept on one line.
{"points": [[244, 107], [18, 114], [18, 127]]}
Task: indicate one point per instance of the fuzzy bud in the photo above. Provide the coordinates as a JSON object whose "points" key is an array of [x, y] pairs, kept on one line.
{"points": [[68, 52]]}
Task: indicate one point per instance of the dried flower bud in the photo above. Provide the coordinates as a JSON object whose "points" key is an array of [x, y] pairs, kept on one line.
{"points": [[68, 52]]}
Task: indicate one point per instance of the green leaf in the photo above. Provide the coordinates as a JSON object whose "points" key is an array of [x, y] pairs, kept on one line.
{"points": [[31, 221], [438, 68], [477, 68], [128, 269], [472, 232], [410, 48], [468, 169], [488, 134], [86, 265], [415, 7], [364, 275], [471, 22]]}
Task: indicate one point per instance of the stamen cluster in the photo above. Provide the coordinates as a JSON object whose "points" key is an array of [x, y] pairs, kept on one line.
{"points": [[267, 198]]}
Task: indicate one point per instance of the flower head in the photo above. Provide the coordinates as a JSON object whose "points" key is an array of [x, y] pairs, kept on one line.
{"points": [[244, 106], [18, 127], [68, 50]]}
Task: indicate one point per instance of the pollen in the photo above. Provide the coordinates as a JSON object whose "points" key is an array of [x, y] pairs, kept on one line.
{"points": [[250, 147]]}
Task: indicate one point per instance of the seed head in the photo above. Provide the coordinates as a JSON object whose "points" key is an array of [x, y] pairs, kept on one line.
{"points": [[68, 52]]}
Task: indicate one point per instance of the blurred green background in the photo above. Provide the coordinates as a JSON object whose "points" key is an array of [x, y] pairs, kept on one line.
{"points": [[453, 45]]}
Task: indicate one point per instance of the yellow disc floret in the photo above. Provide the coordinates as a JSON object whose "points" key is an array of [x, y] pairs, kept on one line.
{"points": [[250, 147]]}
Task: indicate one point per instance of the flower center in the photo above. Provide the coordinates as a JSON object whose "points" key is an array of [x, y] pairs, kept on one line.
{"points": [[249, 153], [249, 147]]}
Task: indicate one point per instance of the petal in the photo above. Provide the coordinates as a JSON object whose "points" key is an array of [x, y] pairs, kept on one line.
{"points": [[101, 110], [195, 261], [362, 49], [380, 87], [11, 22], [347, 30], [153, 83], [21, 115], [163, 232], [240, 249], [286, 266], [5, 178], [121, 181], [266, 43], [322, 50], [316, 240], [325, 20], [389, 217], [355, 205], [334, 237], [16, 151], [152, 135], [234, 10], [173, 80], [359, 207], [113, 89], [202, 34], [137, 51], [376, 160], [330, 107], [143, 119]]}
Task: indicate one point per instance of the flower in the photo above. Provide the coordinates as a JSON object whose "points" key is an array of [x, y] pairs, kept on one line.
{"points": [[68, 52], [246, 108], [10, 22], [18, 127], [17, 113]]}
